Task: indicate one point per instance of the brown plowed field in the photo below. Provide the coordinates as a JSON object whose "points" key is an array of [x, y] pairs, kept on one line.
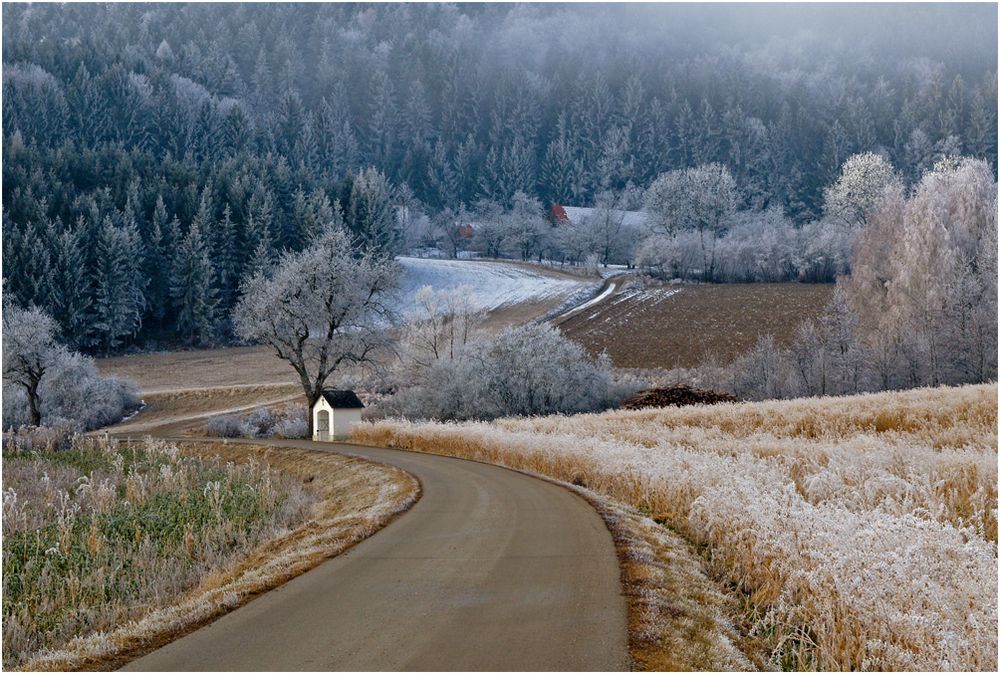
{"points": [[681, 326]]}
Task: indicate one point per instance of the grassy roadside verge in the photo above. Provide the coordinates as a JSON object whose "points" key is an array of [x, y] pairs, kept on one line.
{"points": [[677, 615], [350, 499]]}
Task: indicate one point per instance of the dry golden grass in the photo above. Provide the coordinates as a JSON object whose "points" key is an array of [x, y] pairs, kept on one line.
{"points": [[356, 498], [852, 533]]}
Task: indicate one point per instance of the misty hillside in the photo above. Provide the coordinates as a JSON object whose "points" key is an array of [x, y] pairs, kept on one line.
{"points": [[139, 139]]}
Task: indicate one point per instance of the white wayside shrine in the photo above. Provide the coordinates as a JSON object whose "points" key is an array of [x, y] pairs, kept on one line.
{"points": [[335, 414]]}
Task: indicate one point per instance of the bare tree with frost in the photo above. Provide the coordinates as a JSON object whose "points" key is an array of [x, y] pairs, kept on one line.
{"points": [[863, 181], [320, 309], [700, 199], [30, 349]]}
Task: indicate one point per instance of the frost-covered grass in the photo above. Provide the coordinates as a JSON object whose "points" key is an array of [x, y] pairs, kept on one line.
{"points": [[290, 421], [492, 284], [856, 532], [95, 534], [112, 551]]}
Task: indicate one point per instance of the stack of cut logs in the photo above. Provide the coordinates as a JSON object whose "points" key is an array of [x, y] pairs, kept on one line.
{"points": [[676, 396]]}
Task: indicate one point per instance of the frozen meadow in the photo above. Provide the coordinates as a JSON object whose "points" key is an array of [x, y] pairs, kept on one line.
{"points": [[854, 533], [110, 551], [491, 285]]}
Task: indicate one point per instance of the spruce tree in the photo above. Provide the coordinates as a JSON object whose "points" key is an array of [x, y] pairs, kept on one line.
{"points": [[157, 263], [371, 217], [259, 227], [226, 262], [191, 287], [69, 299], [118, 294]]}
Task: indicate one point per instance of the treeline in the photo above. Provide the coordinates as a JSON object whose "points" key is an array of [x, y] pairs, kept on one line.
{"points": [[146, 143], [114, 276], [919, 307]]}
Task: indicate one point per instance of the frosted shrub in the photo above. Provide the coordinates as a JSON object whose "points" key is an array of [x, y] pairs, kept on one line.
{"points": [[529, 370], [225, 426], [266, 422], [291, 428], [260, 423], [72, 391]]}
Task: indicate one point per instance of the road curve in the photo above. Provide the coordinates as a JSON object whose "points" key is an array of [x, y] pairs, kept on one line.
{"points": [[490, 570]]}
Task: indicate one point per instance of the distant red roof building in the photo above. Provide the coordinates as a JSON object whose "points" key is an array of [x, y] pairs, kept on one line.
{"points": [[557, 215], [466, 231]]}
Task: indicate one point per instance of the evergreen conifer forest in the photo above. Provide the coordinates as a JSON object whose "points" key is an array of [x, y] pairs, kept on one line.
{"points": [[154, 155]]}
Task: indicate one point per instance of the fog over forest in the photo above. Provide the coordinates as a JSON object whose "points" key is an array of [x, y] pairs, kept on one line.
{"points": [[152, 149]]}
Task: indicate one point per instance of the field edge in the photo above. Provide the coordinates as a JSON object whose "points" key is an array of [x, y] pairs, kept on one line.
{"points": [[330, 532], [654, 562]]}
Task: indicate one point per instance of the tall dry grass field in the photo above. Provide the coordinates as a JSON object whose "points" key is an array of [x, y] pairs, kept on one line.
{"points": [[856, 532], [95, 535], [111, 551]]}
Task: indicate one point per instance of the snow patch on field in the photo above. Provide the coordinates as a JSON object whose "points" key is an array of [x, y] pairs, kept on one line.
{"points": [[607, 291], [493, 284], [127, 417], [632, 302]]}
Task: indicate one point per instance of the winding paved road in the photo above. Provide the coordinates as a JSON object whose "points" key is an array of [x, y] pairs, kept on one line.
{"points": [[490, 570]]}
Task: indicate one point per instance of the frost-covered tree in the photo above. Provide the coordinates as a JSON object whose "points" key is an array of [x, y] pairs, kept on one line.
{"points": [[607, 230], [490, 230], [562, 169], [320, 309], [43, 382], [525, 225], [759, 247], [225, 260], [861, 185], [191, 287], [119, 298], [30, 350], [923, 279], [944, 283], [700, 199], [443, 323], [664, 256], [69, 300], [371, 216], [158, 261]]}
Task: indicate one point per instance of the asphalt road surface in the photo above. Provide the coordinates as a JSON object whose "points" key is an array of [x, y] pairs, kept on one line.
{"points": [[490, 570]]}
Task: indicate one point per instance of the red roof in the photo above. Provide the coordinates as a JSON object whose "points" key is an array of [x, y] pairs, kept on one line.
{"points": [[557, 214]]}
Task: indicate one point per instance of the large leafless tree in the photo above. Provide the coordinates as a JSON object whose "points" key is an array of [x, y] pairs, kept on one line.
{"points": [[320, 309]]}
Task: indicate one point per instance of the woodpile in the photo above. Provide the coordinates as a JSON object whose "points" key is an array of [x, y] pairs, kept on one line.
{"points": [[674, 396]]}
